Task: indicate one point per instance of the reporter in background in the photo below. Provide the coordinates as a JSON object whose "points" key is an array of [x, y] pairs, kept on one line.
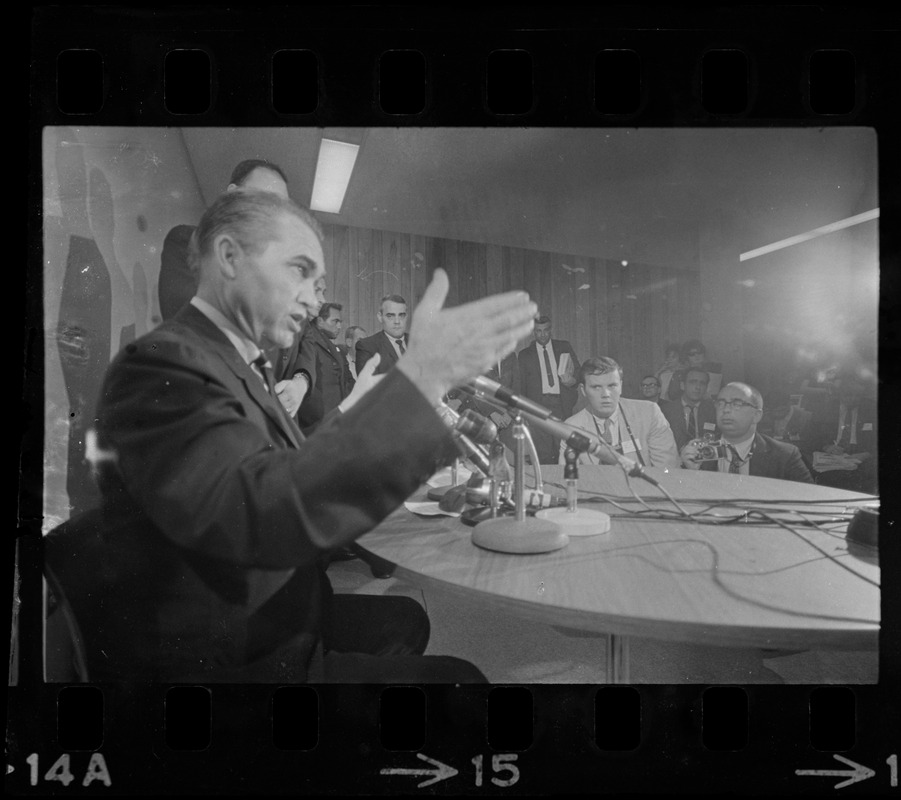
{"points": [[636, 429], [746, 451], [217, 511]]}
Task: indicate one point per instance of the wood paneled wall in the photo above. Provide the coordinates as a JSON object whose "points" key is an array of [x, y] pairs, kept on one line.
{"points": [[600, 306]]}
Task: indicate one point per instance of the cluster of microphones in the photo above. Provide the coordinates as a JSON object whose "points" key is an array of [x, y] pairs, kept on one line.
{"points": [[472, 430]]}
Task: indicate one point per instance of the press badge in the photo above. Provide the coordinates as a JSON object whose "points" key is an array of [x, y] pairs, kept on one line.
{"points": [[709, 426], [627, 447], [867, 426]]}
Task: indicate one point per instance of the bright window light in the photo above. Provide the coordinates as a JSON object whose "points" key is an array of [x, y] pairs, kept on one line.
{"points": [[803, 237], [333, 169]]}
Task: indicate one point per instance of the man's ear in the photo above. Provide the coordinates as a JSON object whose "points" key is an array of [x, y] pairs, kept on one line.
{"points": [[231, 187], [582, 389], [228, 254]]}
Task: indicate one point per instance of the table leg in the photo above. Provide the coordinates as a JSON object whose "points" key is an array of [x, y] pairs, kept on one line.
{"points": [[617, 659]]}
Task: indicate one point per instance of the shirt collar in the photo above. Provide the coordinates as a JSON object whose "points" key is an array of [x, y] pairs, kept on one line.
{"points": [[247, 348], [613, 418], [743, 447]]}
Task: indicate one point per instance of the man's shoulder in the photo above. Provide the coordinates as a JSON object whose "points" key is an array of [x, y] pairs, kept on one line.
{"points": [[188, 336], [580, 419], [371, 341], [770, 444]]}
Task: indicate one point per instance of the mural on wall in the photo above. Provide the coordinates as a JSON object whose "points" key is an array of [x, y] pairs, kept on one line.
{"points": [[109, 196], [83, 327]]}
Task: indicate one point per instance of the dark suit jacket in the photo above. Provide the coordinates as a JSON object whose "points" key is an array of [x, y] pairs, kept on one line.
{"points": [[530, 375], [330, 378], [218, 512], [177, 281], [674, 414], [348, 375], [773, 459], [377, 343], [824, 426]]}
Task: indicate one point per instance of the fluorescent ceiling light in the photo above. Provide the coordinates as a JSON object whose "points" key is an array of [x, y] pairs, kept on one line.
{"points": [[333, 169], [803, 237]]}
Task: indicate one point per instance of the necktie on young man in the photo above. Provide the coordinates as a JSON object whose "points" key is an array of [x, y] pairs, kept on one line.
{"points": [[551, 382], [691, 421]]}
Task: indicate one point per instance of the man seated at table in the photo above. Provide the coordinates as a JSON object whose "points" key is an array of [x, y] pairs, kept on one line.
{"points": [[635, 428], [846, 426], [218, 512], [691, 415], [744, 450]]}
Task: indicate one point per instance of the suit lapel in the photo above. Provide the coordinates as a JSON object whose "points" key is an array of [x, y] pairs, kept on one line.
{"points": [[253, 386]]}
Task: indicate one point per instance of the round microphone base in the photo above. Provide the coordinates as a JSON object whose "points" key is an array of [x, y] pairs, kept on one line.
{"points": [[581, 522], [437, 492], [507, 535]]}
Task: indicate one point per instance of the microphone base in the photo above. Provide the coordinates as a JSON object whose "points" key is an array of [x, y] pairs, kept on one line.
{"points": [[508, 535], [581, 522], [437, 492]]}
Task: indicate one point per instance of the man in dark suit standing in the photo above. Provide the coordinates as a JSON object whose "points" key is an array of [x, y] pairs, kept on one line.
{"points": [[547, 375], [331, 376], [178, 278], [692, 415], [391, 341], [352, 335], [739, 408], [217, 512]]}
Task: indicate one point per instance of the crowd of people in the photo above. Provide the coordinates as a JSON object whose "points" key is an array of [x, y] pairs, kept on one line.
{"points": [[244, 444]]}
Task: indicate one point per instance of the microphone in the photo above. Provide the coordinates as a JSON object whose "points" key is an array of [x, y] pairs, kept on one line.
{"points": [[467, 447], [478, 428], [584, 442], [497, 391]]}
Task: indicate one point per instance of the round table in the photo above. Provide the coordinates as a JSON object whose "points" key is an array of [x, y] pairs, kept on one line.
{"points": [[743, 585]]}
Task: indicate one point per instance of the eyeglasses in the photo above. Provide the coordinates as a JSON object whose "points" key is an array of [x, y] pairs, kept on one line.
{"points": [[650, 385], [735, 405]]}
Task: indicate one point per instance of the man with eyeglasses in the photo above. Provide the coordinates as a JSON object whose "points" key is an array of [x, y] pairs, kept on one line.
{"points": [[650, 389], [739, 408]]}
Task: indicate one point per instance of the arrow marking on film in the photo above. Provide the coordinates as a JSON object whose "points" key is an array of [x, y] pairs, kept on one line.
{"points": [[859, 773], [443, 771]]}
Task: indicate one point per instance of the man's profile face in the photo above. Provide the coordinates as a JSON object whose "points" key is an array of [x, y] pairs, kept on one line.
{"points": [[262, 179], [602, 393], [694, 386], [696, 357], [356, 335], [736, 421], [274, 291], [393, 317], [650, 389], [331, 326], [543, 333]]}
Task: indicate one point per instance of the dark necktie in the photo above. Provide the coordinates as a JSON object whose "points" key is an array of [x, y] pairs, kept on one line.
{"points": [[547, 366], [734, 462], [400, 345], [262, 364], [692, 423]]}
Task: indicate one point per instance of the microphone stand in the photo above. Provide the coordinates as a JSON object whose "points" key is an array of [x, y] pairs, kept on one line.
{"points": [[573, 520], [519, 534]]}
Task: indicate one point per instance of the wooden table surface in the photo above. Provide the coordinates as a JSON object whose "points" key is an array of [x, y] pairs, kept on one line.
{"points": [[744, 585]]}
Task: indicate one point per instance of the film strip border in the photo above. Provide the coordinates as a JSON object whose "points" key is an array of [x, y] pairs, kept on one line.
{"points": [[400, 67], [397, 66], [341, 740]]}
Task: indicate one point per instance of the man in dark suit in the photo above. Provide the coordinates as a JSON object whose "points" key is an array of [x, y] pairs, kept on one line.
{"points": [[331, 376], [178, 278], [391, 341], [547, 375], [692, 415], [846, 425], [218, 512], [349, 349], [739, 408]]}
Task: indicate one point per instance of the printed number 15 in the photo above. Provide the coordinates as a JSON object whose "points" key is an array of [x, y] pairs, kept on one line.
{"points": [[498, 764]]}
